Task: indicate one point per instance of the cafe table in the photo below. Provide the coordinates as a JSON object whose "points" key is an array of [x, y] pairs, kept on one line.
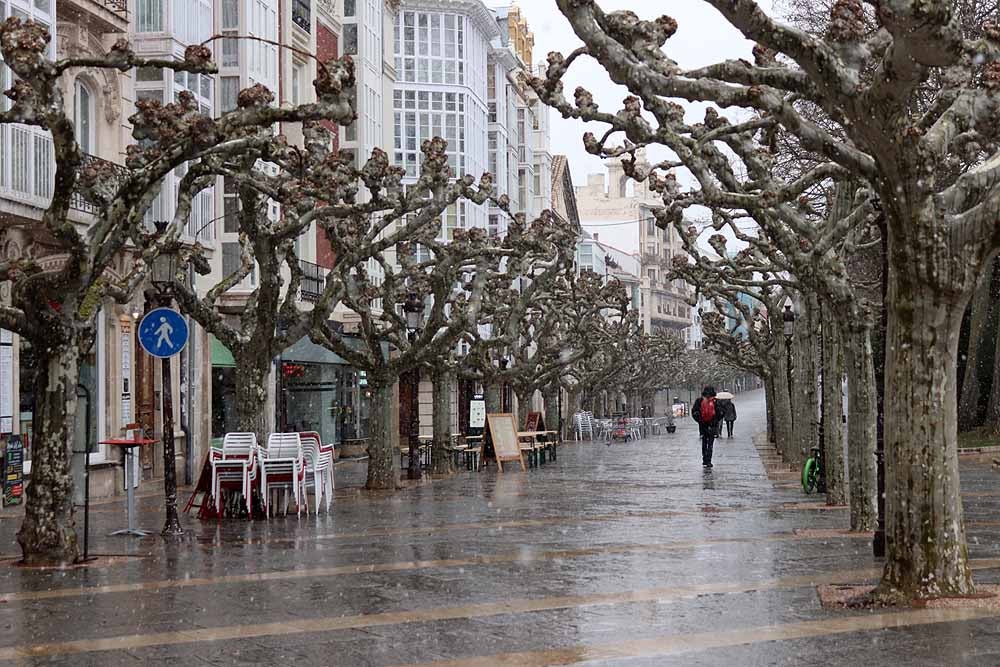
{"points": [[128, 446]]}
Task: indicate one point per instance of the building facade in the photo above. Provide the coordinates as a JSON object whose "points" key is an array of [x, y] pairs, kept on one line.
{"points": [[615, 201]]}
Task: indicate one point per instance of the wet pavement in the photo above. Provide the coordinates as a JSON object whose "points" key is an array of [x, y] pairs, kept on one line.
{"points": [[629, 554]]}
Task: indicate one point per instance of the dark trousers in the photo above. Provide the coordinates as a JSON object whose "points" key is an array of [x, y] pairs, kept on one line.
{"points": [[707, 441], [729, 429]]}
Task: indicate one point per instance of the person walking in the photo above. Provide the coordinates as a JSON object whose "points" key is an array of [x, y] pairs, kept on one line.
{"points": [[706, 413], [728, 409]]}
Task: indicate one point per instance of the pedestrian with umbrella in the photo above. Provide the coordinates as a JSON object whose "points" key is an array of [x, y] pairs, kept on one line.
{"points": [[728, 410]]}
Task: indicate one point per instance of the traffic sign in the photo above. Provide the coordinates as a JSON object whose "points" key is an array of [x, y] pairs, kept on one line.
{"points": [[163, 332]]}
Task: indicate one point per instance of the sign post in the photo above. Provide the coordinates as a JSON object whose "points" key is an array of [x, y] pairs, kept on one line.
{"points": [[163, 333]]}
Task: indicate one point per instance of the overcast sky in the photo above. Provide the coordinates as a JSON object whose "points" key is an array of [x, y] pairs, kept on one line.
{"points": [[703, 37]]}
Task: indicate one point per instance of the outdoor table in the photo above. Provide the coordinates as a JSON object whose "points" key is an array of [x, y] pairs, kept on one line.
{"points": [[128, 446]]}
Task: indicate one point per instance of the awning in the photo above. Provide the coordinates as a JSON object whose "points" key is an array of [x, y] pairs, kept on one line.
{"points": [[221, 356], [308, 352]]}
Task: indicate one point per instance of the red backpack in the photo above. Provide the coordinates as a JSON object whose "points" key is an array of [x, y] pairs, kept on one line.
{"points": [[708, 410]]}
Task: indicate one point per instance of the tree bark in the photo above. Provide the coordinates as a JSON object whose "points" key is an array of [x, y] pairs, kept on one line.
{"points": [[805, 402], [862, 413], [48, 534], [251, 394], [550, 397], [493, 399], [383, 469], [993, 407], [969, 414], [769, 399], [783, 408], [833, 410], [926, 549], [441, 418]]}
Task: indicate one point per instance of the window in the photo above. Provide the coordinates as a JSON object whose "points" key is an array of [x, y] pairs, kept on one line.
{"points": [[421, 115], [652, 275], [351, 39], [230, 206], [230, 14], [297, 83], [302, 14], [350, 9], [229, 90], [230, 49], [230, 258], [430, 47], [149, 16], [83, 117]]}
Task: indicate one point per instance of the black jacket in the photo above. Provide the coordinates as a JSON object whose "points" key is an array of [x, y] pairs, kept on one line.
{"points": [[728, 409], [711, 427]]}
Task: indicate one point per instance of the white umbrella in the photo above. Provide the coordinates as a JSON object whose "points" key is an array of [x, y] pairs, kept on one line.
{"points": [[724, 394]]}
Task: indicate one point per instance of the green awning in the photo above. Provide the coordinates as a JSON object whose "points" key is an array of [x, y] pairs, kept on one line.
{"points": [[221, 356]]}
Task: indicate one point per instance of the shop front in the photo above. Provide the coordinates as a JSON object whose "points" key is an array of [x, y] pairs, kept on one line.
{"points": [[317, 390]]}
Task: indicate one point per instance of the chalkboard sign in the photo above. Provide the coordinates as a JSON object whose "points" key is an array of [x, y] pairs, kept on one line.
{"points": [[535, 422], [503, 432], [13, 473]]}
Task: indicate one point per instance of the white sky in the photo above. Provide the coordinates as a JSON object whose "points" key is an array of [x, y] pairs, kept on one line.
{"points": [[703, 37]]}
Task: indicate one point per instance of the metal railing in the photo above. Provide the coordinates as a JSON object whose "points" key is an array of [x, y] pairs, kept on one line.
{"points": [[77, 201], [117, 6], [302, 14], [313, 281]]}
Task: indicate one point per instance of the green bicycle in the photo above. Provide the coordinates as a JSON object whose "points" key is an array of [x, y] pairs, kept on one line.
{"points": [[810, 472]]}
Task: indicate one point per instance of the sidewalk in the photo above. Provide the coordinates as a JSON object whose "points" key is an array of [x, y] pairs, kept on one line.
{"points": [[629, 554]]}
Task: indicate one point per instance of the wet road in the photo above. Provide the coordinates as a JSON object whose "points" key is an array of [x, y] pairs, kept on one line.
{"points": [[630, 554]]}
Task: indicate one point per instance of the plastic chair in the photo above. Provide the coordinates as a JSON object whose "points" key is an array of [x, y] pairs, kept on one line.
{"points": [[282, 465], [319, 468], [235, 465]]}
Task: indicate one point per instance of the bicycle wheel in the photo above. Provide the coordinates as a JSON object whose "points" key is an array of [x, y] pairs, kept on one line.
{"points": [[810, 475]]}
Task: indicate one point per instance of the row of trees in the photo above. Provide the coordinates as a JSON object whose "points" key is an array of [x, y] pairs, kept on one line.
{"points": [[865, 131], [500, 310]]}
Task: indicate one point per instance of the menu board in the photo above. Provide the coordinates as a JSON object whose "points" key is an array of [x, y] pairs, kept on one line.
{"points": [[13, 465], [503, 432], [477, 413], [6, 381]]}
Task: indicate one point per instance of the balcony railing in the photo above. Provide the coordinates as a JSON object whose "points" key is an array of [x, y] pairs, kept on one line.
{"points": [[77, 201], [313, 281], [302, 14], [117, 6]]}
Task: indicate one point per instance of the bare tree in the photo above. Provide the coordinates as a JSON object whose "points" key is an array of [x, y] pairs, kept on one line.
{"points": [[941, 226], [57, 308]]}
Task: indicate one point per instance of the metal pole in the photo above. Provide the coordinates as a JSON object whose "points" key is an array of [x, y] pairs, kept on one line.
{"points": [[413, 470], [171, 522]]}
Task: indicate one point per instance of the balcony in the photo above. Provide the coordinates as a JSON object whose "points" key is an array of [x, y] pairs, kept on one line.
{"points": [[302, 14], [313, 281], [116, 172], [117, 6]]}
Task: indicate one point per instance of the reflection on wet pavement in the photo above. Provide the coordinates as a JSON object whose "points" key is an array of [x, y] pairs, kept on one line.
{"points": [[611, 555]]}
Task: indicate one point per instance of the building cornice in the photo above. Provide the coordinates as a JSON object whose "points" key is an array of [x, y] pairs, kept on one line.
{"points": [[484, 19]]}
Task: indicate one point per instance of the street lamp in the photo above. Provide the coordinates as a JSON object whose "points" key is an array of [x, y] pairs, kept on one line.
{"points": [[162, 276], [413, 310]]}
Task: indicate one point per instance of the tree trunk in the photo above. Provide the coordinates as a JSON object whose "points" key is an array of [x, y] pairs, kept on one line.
{"points": [[48, 534], [523, 407], [251, 394], [782, 408], [441, 418], [493, 399], [769, 398], [926, 549], [572, 407], [969, 415], [383, 470], [833, 410], [993, 407], [550, 398], [805, 402], [862, 413]]}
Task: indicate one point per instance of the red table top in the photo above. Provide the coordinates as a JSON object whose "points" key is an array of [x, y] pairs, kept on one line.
{"points": [[128, 442]]}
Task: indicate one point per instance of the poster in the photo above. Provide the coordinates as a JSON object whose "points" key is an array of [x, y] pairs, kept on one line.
{"points": [[13, 471], [126, 346], [477, 413], [6, 382]]}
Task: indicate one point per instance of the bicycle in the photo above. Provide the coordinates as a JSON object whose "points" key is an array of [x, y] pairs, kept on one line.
{"points": [[810, 471]]}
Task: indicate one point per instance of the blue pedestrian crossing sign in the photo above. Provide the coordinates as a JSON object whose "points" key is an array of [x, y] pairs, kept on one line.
{"points": [[163, 332]]}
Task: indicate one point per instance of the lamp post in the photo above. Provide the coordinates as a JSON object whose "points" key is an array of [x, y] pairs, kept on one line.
{"points": [[163, 271], [413, 308]]}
